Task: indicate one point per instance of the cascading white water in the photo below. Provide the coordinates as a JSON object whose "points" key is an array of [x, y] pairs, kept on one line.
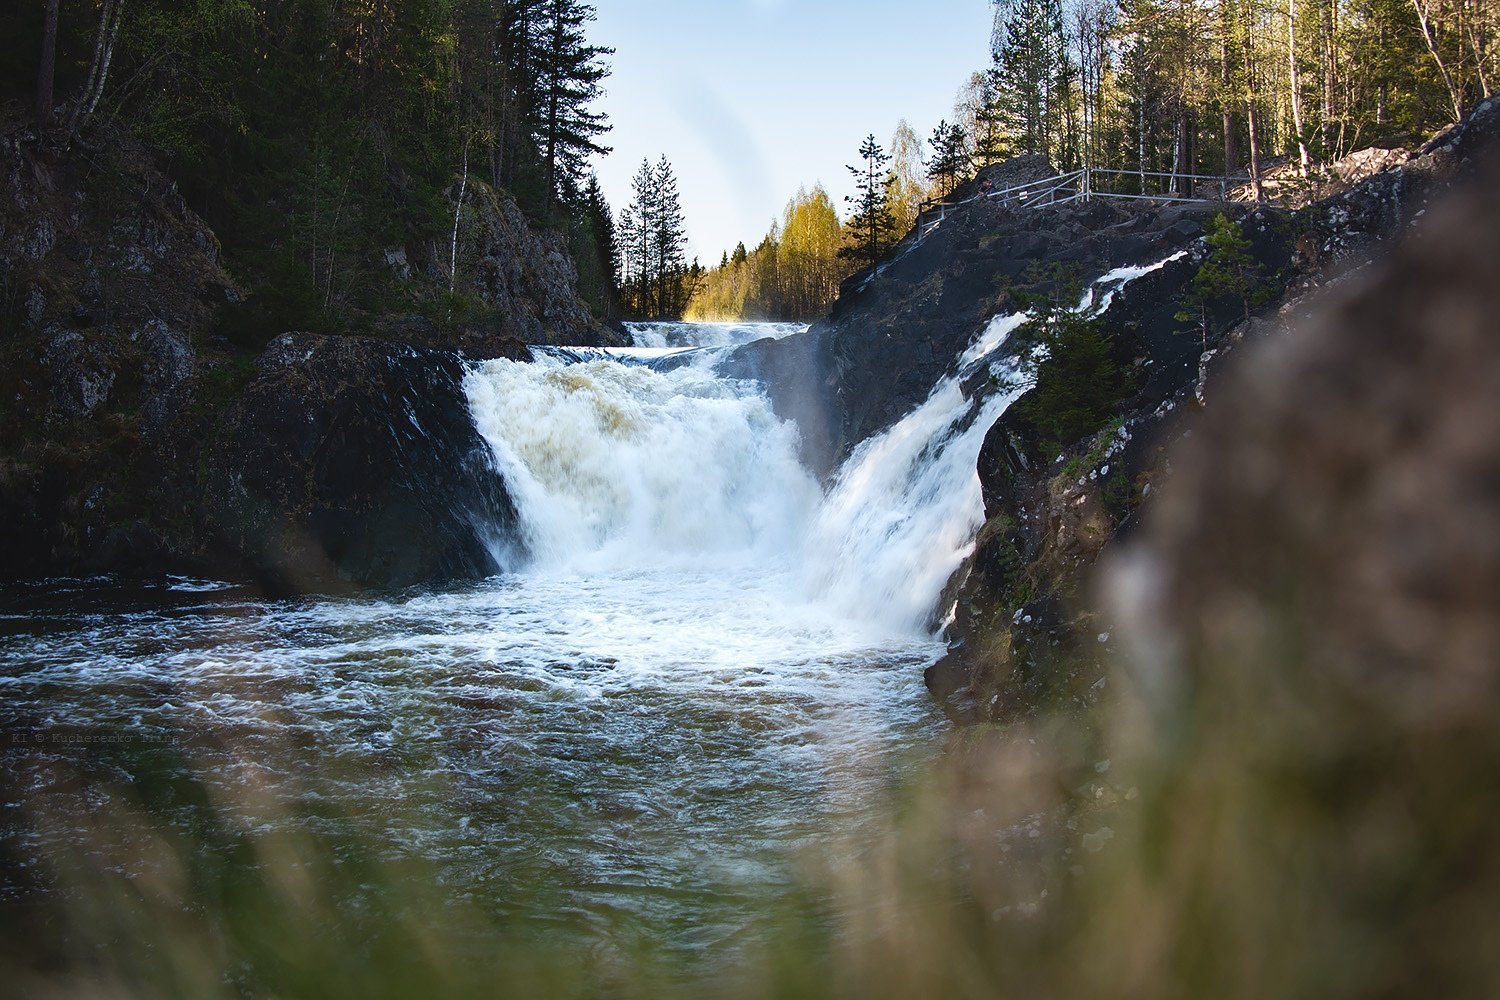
{"points": [[620, 466], [903, 511], [708, 666]]}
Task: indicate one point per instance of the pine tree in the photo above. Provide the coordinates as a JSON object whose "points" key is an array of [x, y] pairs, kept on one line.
{"points": [[1034, 82], [949, 157], [668, 241], [636, 232], [870, 226], [1228, 274]]}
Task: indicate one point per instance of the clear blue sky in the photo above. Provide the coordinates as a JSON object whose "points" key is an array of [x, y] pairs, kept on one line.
{"points": [[751, 98]]}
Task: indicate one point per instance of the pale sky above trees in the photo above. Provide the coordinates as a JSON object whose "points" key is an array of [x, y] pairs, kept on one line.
{"points": [[751, 99]]}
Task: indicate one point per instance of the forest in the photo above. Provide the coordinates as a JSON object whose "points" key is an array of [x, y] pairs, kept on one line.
{"points": [[1157, 91], [313, 134]]}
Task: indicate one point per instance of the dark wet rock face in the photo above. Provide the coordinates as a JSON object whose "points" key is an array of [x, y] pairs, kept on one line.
{"points": [[1309, 617], [117, 372], [521, 272], [112, 286], [1338, 503], [351, 462]]}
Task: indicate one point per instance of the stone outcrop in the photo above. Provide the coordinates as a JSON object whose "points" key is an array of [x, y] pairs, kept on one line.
{"points": [[329, 463], [521, 272], [112, 287], [891, 336], [1311, 651], [351, 462]]}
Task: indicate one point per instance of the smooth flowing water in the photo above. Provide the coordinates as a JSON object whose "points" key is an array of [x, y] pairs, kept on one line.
{"points": [[708, 666]]}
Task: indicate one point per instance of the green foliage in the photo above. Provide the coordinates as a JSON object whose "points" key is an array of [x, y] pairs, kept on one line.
{"points": [[794, 274], [1228, 275], [1077, 383], [1034, 83], [653, 245], [950, 157], [314, 136]]}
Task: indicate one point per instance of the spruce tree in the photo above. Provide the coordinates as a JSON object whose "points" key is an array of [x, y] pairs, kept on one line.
{"points": [[668, 240], [636, 230], [949, 157], [1034, 79], [569, 72]]}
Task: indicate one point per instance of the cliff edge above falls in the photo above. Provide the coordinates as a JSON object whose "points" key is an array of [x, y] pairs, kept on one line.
{"points": [[125, 383]]}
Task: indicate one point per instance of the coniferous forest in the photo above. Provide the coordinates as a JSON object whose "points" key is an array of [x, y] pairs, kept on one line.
{"points": [[313, 134], [1157, 90], [1078, 592]]}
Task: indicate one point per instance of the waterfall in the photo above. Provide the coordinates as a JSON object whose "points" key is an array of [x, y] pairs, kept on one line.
{"points": [[615, 465], [678, 335], [619, 467]]}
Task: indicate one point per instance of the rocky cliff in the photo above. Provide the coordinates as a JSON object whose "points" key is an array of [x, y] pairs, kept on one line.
{"points": [[351, 461], [127, 396]]}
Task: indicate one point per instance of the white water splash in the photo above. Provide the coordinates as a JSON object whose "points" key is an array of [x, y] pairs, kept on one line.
{"points": [[903, 512], [620, 467], [1113, 282]]}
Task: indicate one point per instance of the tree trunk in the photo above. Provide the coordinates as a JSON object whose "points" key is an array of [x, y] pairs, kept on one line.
{"points": [[47, 72], [1294, 82], [458, 208], [1331, 151], [1226, 87], [111, 16], [1250, 122], [1141, 142], [1424, 19], [1477, 42]]}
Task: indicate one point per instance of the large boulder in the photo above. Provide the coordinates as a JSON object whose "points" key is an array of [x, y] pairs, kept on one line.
{"points": [[351, 462], [893, 334], [520, 271], [1310, 615]]}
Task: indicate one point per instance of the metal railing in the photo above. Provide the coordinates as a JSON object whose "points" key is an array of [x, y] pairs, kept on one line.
{"points": [[1079, 185]]}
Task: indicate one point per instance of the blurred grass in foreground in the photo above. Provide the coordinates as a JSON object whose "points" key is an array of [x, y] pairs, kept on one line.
{"points": [[1269, 844]]}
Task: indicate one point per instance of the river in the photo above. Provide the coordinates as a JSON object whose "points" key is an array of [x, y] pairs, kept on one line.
{"points": [[710, 666]]}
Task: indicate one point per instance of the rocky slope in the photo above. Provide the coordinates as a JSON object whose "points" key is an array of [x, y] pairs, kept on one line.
{"points": [[125, 401], [1023, 633], [892, 335]]}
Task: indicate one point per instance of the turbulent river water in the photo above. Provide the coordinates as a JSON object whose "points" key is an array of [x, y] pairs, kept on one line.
{"points": [[709, 664]]}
